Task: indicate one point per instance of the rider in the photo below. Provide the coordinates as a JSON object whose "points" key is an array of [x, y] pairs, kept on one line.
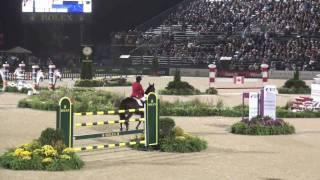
{"points": [[137, 91]]}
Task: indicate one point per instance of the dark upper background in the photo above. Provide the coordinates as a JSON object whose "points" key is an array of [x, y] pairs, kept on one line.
{"points": [[108, 16]]}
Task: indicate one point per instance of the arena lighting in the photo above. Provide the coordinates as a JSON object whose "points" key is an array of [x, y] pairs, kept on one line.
{"points": [[124, 56]]}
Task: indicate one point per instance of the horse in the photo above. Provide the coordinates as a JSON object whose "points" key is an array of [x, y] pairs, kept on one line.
{"points": [[130, 103], [56, 75]]}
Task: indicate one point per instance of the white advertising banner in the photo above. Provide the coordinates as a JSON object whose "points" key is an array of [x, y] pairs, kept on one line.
{"points": [[315, 92], [253, 105], [270, 101]]}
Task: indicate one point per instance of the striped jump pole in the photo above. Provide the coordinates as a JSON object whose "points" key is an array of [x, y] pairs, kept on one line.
{"points": [[35, 69], [65, 122], [52, 67], [264, 71]]}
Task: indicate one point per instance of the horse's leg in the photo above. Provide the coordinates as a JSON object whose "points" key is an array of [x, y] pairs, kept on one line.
{"points": [[122, 117], [127, 119], [141, 116]]}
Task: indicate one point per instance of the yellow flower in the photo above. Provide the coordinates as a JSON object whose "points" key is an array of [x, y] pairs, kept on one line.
{"points": [[18, 151], [66, 157], [25, 153], [47, 160], [69, 151], [49, 151], [26, 158]]}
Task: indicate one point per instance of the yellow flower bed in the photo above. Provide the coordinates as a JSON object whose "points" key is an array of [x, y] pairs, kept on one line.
{"points": [[22, 153], [69, 151]]}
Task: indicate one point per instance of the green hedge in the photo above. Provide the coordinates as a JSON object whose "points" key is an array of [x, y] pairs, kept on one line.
{"points": [[84, 100], [211, 90], [196, 108], [102, 83], [295, 86], [285, 90], [178, 87], [184, 92]]}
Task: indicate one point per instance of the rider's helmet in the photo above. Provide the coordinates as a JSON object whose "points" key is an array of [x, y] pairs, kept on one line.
{"points": [[138, 78]]}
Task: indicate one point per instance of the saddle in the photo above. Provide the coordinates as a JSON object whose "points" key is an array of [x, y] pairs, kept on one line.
{"points": [[139, 101]]}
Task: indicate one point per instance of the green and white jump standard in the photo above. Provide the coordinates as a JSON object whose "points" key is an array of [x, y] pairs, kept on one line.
{"points": [[65, 122]]}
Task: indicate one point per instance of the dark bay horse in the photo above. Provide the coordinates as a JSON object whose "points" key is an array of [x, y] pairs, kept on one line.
{"points": [[130, 103]]}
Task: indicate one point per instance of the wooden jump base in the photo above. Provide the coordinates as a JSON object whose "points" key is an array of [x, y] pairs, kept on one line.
{"points": [[65, 122]]}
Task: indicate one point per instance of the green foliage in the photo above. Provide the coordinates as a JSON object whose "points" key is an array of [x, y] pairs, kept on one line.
{"points": [[178, 87], [38, 155], [262, 126], [51, 137], [196, 108], [166, 126], [295, 86], [174, 139], [293, 83], [284, 113], [211, 90], [183, 144], [62, 165], [15, 90], [89, 83], [284, 90], [102, 83], [180, 92], [84, 99]]}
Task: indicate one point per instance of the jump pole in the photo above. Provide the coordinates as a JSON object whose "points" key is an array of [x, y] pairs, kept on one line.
{"points": [[264, 72], [212, 74], [35, 69]]}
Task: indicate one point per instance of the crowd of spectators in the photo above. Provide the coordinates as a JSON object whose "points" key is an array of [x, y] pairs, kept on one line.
{"points": [[231, 16], [278, 32]]}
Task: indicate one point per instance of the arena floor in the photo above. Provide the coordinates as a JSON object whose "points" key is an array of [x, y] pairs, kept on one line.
{"points": [[228, 156]]}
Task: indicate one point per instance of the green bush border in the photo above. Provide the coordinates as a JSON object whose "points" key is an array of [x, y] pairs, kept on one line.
{"points": [[101, 83], [284, 90]]}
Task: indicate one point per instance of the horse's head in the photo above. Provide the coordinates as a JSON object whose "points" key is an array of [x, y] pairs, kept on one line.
{"points": [[150, 89]]}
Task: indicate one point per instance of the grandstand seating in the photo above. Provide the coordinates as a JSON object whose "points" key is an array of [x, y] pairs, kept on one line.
{"points": [[280, 33]]}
